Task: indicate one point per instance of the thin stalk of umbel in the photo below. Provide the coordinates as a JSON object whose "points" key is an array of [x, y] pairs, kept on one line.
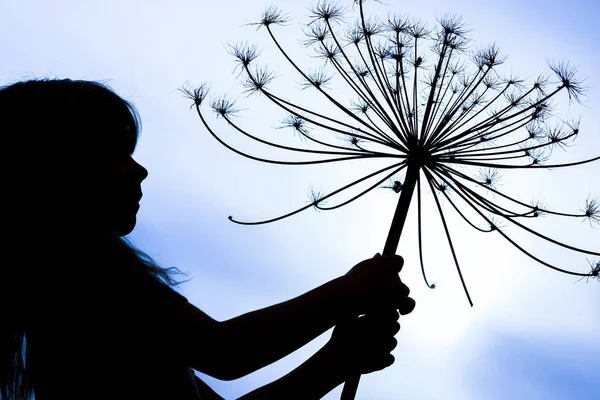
{"points": [[391, 244]]}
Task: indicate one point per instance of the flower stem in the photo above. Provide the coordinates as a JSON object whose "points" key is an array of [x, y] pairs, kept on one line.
{"points": [[408, 187], [391, 244]]}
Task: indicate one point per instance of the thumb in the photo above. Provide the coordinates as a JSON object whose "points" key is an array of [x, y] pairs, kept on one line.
{"points": [[397, 263]]}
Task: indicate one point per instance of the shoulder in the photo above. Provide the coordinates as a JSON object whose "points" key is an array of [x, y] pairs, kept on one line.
{"points": [[153, 287]]}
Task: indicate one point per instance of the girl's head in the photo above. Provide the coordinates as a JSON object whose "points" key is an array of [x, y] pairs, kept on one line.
{"points": [[67, 153], [68, 177]]}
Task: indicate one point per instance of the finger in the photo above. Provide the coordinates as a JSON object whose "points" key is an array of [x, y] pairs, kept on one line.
{"points": [[391, 344], [407, 306], [389, 360], [372, 364], [379, 329], [392, 295], [394, 261], [396, 328], [381, 325], [394, 289], [391, 328], [383, 344], [403, 290], [397, 263], [383, 315]]}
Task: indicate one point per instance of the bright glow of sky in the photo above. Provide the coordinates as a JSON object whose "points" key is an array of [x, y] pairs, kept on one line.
{"points": [[533, 333]]}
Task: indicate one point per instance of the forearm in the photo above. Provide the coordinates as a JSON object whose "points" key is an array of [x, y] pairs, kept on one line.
{"points": [[261, 337], [316, 377], [206, 392]]}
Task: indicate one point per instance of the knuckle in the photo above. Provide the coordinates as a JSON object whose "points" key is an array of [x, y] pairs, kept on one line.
{"points": [[408, 305], [390, 360], [405, 289]]}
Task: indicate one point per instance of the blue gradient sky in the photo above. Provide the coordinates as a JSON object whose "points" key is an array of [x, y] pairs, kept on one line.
{"points": [[532, 334]]}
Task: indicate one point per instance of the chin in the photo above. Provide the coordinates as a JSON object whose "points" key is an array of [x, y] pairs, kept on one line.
{"points": [[125, 229]]}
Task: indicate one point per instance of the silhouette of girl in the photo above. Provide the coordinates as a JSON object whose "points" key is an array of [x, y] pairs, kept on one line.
{"points": [[86, 315]]}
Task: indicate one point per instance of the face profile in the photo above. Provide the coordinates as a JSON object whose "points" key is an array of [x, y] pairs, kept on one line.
{"points": [[119, 192]]}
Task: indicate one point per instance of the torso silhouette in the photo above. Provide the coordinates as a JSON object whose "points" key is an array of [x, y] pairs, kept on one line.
{"points": [[108, 336]]}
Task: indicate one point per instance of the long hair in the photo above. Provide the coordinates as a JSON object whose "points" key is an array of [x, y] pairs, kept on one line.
{"points": [[48, 122]]}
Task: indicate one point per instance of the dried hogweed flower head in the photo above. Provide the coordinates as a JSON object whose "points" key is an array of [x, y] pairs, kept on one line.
{"points": [[426, 103], [418, 97], [445, 117]]}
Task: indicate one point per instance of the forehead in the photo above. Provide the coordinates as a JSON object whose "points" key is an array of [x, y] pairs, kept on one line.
{"points": [[115, 131]]}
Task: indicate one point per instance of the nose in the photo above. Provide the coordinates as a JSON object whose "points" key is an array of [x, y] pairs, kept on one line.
{"points": [[142, 172]]}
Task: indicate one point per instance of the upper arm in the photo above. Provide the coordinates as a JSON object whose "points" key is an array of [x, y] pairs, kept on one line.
{"points": [[185, 333], [200, 341]]}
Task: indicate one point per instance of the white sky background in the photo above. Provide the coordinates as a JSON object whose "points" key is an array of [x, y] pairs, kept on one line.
{"points": [[533, 333]]}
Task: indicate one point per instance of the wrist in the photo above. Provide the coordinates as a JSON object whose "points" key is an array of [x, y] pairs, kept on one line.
{"points": [[335, 362], [348, 302]]}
